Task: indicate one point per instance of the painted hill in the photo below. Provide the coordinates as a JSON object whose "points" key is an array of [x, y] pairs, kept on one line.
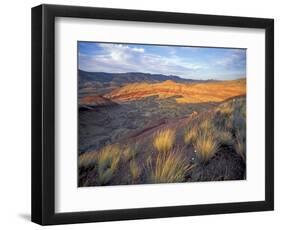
{"points": [[89, 102], [186, 92]]}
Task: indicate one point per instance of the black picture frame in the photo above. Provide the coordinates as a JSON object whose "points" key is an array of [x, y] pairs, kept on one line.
{"points": [[43, 114]]}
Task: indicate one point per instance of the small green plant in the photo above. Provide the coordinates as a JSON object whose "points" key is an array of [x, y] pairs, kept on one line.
{"points": [[164, 140], [108, 161]]}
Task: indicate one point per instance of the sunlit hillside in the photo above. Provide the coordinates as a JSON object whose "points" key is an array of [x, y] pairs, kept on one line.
{"points": [[186, 92]]}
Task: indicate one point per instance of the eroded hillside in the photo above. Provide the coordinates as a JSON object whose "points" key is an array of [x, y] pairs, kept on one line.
{"points": [[186, 92]]}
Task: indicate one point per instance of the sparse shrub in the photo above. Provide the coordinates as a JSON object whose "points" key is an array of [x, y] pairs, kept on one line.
{"points": [[108, 160], [168, 167], [135, 170], [206, 145], [87, 159], [164, 140]]}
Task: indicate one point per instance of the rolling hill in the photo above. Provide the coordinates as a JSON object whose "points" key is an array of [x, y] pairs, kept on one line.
{"points": [[186, 92], [133, 77]]}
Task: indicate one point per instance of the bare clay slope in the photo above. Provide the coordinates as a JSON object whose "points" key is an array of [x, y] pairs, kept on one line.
{"points": [[187, 92]]}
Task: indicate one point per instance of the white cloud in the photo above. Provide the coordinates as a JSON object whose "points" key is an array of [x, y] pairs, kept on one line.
{"points": [[234, 58], [141, 50], [122, 58]]}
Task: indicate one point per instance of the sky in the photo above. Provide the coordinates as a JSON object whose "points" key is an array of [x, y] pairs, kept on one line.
{"points": [[183, 61]]}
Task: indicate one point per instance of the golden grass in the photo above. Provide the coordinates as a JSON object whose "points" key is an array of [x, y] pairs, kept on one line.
{"points": [[87, 159], [225, 125], [205, 145], [206, 126], [164, 140], [135, 170], [129, 152], [226, 108], [108, 160], [204, 137], [169, 167], [190, 135]]}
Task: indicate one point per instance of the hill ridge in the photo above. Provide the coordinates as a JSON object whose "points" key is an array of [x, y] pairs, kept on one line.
{"points": [[130, 77]]}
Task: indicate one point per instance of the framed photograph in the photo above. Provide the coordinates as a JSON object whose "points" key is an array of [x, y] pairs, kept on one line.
{"points": [[142, 114]]}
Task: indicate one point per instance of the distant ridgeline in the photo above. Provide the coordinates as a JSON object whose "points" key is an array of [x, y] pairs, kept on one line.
{"points": [[132, 77]]}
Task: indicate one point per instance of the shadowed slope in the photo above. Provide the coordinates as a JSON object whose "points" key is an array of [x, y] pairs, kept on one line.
{"points": [[94, 101]]}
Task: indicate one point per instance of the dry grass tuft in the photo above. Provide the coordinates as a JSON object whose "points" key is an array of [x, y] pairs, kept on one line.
{"points": [[135, 170], [226, 126], [164, 140], [206, 126], [169, 167], [205, 145], [225, 137], [190, 135], [108, 160], [129, 152], [87, 159], [226, 108], [240, 144]]}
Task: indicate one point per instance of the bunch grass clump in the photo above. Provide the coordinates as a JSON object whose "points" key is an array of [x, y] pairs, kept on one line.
{"points": [[226, 108], [164, 140], [168, 167], [225, 137], [206, 143], [206, 146], [190, 135], [135, 170], [206, 126], [87, 159], [108, 161], [129, 152]]}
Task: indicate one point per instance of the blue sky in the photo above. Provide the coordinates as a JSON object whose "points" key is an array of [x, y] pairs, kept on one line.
{"points": [[185, 62]]}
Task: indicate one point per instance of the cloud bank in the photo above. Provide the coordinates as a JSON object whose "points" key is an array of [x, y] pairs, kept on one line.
{"points": [[186, 62]]}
